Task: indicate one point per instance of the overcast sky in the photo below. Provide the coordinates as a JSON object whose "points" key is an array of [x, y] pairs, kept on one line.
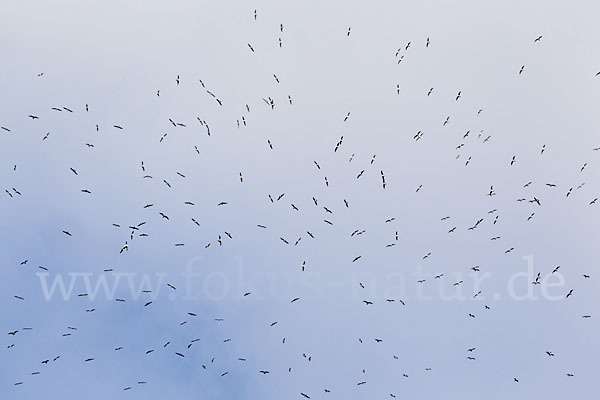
{"points": [[450, 101]]}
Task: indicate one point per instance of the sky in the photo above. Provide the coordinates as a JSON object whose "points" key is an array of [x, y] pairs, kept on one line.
{"points": [[272, 244]]}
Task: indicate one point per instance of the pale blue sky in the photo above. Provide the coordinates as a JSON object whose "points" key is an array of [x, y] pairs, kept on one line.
{"points": [[115, 56]]}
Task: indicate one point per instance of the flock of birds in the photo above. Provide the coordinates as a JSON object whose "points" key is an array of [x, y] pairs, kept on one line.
{"points": [[131, 234]]}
